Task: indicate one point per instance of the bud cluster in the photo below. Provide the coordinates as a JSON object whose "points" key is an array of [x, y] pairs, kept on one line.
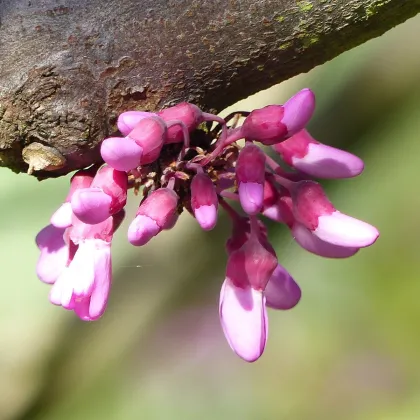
{"points": [[179, 162]]}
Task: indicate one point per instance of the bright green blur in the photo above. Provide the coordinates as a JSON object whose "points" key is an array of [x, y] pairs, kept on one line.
{"points": [[351, 348]]}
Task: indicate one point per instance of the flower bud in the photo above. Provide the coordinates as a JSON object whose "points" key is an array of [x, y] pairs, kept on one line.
{"points": [[191, 115], [129, 119], [312, 209], [298, 110], [106, 196], [282, 292], [149, 134], [304, 153], [274, 123], [204, 201], [250, 175], [154, 214]]}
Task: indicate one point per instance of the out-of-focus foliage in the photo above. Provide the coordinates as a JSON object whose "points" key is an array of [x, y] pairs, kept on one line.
{"points": [[350, 350]]}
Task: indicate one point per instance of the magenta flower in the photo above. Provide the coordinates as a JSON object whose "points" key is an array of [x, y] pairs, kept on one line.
{"points": [[107, 195], [204, 201], [156, 213], [180, 164], [303, 152]]}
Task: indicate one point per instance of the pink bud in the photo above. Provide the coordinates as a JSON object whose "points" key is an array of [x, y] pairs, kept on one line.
{"points": [[304, 153], [244, 320], [251, 265], [54, 253], [63, 215], [149, 134], [122, 154], [313, 209], [265, 125], [204, 201], [153, 215], [190, 115], [129, 119], [250, 174], [106, 196], [298, 110], [282, 292]]}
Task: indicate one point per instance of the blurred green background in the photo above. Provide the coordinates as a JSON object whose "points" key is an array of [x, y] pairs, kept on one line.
{"points": [[349, 350]]}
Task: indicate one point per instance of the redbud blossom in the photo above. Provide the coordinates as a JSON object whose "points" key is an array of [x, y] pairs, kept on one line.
{"points": [[75, 253], [154, 214], [313, 210], [204, 201], [250, 174], [106, 196], [304, 153], [274, 123], [54, 253], [129, 119]]}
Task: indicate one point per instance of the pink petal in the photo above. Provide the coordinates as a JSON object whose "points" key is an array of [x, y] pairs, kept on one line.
{"points": [[206, 216], [91, 205], [339, 229], [322, 161], [298, 111], [129, 119], [81, 309], [54, 254], [142, 229], [307, 240], [62, 216], [251, 196], [282, 292], [122, 154], [103, 274], [77, 280], [244, 320]]}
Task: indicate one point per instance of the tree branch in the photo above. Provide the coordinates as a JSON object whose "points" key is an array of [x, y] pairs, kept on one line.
{"points": [[68, 68]]}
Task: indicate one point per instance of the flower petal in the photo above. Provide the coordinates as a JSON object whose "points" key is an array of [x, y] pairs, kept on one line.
{"points": [[282, 292], [339, 229], [244, 320], [307, 240]]}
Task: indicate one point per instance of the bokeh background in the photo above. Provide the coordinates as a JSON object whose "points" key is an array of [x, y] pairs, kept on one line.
{"points": [[349, 350]]}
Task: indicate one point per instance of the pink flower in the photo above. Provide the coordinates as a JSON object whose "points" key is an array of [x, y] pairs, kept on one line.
{"points": [[204, 201], [204, 172], [304, 153], [106, 196], [54, 253], [154, 214], [314, 211], [190, 115], [141, 146], [84, 284], [274, 123], [250, 174], [129, 119], [244, 320]]}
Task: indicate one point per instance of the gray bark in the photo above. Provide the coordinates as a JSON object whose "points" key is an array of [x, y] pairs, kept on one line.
{"points": [[69, 67]]}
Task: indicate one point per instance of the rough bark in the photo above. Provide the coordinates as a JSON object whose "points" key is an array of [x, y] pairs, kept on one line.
{"points": [[68, 67]]}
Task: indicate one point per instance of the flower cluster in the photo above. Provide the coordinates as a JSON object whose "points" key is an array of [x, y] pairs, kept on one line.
{"points": [[181, 163]]}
